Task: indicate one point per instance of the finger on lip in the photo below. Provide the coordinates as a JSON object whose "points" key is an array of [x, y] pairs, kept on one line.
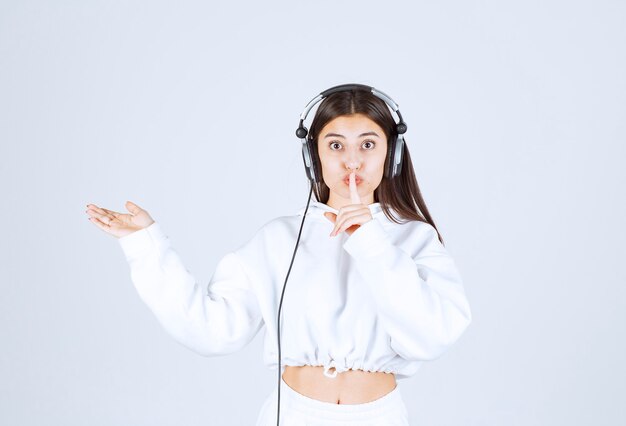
{"points": [[352, 175], [357, 181], [353, 192]]}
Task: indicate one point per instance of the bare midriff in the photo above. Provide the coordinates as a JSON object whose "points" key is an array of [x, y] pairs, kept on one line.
{"points": [[349, 387]]}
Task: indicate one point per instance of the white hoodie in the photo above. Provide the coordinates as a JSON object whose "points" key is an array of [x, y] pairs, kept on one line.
{"points": [[385, 298]]}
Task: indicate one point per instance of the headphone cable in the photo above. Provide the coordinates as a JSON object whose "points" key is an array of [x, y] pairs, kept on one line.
{"points": [[281, 304]]}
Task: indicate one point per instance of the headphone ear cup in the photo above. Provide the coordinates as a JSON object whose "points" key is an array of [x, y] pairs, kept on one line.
{"points": [[310, 156], [389, 160], [394, 155], [398, 157], [317, 165]]}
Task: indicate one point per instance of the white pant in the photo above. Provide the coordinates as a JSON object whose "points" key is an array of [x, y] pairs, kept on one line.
{"points": [[300, 410]]}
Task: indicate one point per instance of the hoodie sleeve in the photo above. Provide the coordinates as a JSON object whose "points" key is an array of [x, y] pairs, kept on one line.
{"points": [[420, 297], [215, 320]]}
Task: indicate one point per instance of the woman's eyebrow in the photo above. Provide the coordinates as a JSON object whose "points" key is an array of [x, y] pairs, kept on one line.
{"points": [[337, 135]]}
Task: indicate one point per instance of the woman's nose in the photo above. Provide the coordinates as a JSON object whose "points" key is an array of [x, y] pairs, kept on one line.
{"points": [[353, 165], [352, 161]]}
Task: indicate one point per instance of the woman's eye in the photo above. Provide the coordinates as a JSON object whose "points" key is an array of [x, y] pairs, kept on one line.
{"points": [[369, 144]]}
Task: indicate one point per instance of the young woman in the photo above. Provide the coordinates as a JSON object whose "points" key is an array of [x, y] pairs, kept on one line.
{"points": [[372, 293]]}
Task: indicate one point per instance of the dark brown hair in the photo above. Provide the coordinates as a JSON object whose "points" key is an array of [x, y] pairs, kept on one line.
{"points": [[401, 193]]}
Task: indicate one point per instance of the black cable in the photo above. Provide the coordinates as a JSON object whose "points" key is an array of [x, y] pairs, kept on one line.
{"points": [[281, 304]]}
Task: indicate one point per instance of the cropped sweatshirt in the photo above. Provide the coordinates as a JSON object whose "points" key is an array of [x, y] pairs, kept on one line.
{"points": [[384, 299]]}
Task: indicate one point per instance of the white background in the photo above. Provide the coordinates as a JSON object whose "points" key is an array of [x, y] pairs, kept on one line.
{"points": [[515, 114]]}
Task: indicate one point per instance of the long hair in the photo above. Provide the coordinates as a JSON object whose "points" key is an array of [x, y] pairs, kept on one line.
{"points": [[401, 193]]}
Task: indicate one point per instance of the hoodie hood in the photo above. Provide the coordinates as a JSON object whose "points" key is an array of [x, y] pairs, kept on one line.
{"points": [[317, 209]]}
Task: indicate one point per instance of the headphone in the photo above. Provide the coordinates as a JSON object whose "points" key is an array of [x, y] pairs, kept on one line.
{"points": [[393, 166], [396, 145]]}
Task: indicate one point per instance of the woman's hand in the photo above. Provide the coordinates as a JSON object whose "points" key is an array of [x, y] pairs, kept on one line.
{"points": [[351, 216], [119, 224]]}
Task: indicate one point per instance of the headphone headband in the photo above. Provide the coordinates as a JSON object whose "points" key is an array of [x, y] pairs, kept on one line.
{"points": [[400, 126]]}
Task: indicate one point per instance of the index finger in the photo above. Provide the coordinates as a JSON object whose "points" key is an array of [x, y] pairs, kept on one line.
{"points": [[354, 195]]}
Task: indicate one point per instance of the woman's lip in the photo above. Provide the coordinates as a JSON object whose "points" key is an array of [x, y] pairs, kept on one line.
{"points": [[357, 180]]}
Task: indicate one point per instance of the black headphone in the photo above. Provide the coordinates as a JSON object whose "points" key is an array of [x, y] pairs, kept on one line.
{"points": [[395, 146], [314, 173]]}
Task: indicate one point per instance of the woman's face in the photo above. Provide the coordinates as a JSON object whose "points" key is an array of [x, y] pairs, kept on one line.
{"points": [[347, 143]]}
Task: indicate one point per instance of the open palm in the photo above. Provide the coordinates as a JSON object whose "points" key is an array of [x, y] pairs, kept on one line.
{"points": [[119, 224]]}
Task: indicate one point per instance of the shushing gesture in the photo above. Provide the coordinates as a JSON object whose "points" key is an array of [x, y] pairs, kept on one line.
{"points": [[350, 216], [119, 224]]}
